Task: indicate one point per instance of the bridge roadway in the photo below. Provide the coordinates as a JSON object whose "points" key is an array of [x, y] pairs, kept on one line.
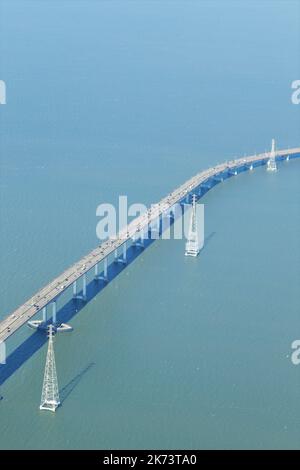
{"points": [[51, 291]]}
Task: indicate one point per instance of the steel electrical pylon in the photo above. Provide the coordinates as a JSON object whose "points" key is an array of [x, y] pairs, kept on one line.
{"points": [[271, 165], [50, 394], [192, 247]]}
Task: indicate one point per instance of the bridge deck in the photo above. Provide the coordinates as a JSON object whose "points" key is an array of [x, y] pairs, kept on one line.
{"points": [[52, 290]]}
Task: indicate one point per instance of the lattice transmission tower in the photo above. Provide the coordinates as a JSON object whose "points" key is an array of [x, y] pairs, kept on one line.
{"points": [[271, 165], [50, 394], [192, 246]]}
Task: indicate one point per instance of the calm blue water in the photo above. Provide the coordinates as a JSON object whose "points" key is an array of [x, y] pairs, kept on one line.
{"points": [[108, 98]]}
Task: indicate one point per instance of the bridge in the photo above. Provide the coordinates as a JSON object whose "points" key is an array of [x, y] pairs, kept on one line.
{"points": [[197, 185]]}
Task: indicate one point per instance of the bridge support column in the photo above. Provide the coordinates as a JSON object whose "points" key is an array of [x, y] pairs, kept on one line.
{"points": [[116, 255], [123, 258], [54, 312], [105, 266], [59, 327], [75, 289], [76, 295], [139, 242], [154, 230], [45, 314], [84, 287], [97, 276]]}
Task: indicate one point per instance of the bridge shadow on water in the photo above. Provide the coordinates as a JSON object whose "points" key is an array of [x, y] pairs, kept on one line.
{"points": [[38, 338]]}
